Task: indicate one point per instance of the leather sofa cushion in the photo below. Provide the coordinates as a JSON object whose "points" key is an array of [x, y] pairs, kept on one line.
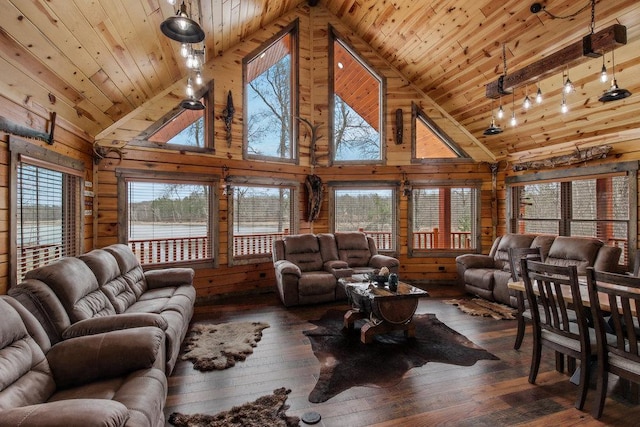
{"points": [[107, 272], [130, 268], [508, 241], [353, 248], [316, 283], [578, 251], [25, 376], [76, 286], [480, 277], [304, 251], [544, 242]]}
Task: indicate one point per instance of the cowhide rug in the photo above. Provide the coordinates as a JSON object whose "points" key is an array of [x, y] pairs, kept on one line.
{"points": [[482, 307], [346, 362], [265, 411], [212, 347]]}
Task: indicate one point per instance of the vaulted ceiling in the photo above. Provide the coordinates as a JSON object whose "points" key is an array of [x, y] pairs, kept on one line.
{"points": [[97, 61]]}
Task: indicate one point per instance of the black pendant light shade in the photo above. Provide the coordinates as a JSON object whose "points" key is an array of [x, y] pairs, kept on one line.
{"points": [[614, 93], [192, 104], [181, 28], [492, 129]]}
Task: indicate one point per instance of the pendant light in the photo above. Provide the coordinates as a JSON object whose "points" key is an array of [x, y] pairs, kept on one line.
{"points": [[539, 95], [492, 129], [182, 28], [603, 71], [614, 93], [192, 104], [514, 121], [526, 104]]}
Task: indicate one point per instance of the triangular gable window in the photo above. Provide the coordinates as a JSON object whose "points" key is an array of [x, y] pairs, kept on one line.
{"points": [[181, 129], [430, 141]]}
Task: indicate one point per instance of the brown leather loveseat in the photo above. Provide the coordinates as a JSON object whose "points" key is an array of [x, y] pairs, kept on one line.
{"points": [[106, 379], [487, 276], [308, 266], [107, 289]]}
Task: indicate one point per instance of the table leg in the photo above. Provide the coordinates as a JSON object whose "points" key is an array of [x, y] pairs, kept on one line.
{"points": [[350, 318], [369, 330]]}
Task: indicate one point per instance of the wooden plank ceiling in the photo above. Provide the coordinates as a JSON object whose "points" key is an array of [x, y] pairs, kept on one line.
{"points": [[94, 62]]}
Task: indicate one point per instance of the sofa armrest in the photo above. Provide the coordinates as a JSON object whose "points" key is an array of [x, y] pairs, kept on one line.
{"points": [[338, 268], [98, 325], [475, 261], [71, 412], [287, 267], [113, 354], [378, 261], [165, 277]]}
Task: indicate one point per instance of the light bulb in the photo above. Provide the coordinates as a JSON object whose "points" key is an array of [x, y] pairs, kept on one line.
{"points": [[171, 2], [184, 50], [603, 74], [198, 77], [183, 24], [564, 107], [513, 119], [539, 96], [189, 88], [568, 86], [190, 61], [526, 104], [500, 113]]}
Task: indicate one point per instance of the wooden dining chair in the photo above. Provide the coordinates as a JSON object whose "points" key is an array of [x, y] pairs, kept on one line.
{"points": [[618, 344], [523, 314], [551, 289]]}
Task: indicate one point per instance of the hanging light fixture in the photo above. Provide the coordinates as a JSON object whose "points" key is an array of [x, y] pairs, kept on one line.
{"points": [[539, 95], [182, 28], [492, 129], [568, 85], [500, 110], [192, 104], [603, 72], [513, 110], [614, 93], [526, 104]]}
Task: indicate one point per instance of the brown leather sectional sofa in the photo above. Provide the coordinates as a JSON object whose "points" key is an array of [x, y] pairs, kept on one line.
{"points": [[90, 340], [487, 275], [308, 266]]}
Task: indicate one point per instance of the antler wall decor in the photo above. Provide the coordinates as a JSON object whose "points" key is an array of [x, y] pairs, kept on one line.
{"points": [[227, 115], [8, 126], [100, 152], [314, 137]]}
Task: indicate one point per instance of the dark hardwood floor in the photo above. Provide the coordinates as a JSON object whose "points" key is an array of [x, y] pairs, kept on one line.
{"points": [[489, 393]]}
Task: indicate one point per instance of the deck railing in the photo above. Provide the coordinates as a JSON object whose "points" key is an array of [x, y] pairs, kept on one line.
{"points": [[31, 257], [430, 239], [157, 251], [255, 244]]}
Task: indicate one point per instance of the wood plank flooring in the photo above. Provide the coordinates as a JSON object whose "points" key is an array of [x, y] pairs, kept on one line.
{"points": [[489, 393]]}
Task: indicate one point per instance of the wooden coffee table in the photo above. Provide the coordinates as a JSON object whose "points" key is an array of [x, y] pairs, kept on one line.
{"points": [[384, 310]]}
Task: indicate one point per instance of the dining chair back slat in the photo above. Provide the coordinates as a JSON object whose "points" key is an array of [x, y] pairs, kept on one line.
{"points": [[524, 313], [617, 330], [562, 326]]}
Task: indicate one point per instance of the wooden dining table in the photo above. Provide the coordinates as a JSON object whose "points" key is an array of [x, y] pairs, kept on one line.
{"points": [[584, 293]]}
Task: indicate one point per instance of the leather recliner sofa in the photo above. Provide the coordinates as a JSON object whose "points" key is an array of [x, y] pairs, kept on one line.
{"points": [[105, 379], [106, 289], [487, 276], [308, 266]]}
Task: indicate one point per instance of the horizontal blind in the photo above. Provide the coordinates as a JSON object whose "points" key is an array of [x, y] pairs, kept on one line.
{"points": [[47, 211]]}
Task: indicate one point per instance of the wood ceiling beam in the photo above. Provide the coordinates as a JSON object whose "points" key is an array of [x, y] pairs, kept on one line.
{"points": [[591, 46]]}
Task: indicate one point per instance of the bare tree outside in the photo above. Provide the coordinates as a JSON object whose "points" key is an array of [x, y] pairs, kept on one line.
{"points": [[354, 138]]}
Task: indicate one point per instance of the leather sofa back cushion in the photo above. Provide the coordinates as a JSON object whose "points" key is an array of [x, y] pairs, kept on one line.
{"points": [[25, 377], [304, 251], [508, 241], [578, 251], [107, 272], [130, 267], [353, 248], [76, 286]]}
